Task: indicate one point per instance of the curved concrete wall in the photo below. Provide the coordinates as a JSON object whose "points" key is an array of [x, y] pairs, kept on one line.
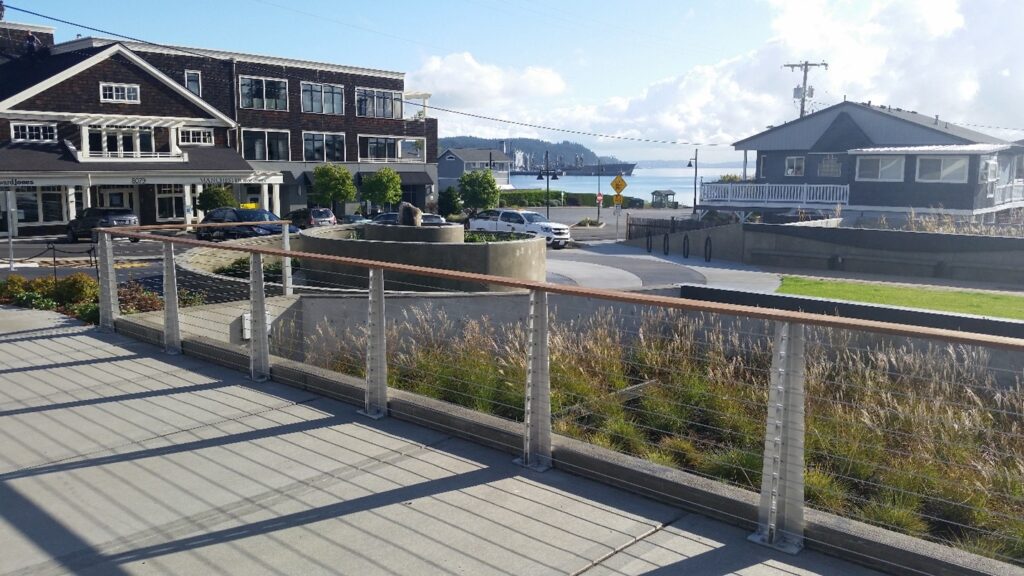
{"points": [[522, 259], [450, 233]]}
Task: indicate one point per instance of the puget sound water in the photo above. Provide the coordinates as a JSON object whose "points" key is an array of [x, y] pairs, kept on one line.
{"points": [[639, 185]]}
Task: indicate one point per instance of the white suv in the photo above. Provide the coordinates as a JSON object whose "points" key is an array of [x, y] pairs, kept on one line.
{"points": [[524, 222]]}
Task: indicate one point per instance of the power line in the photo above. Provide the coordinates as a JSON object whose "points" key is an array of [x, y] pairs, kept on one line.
{"points": [[567, 130]]}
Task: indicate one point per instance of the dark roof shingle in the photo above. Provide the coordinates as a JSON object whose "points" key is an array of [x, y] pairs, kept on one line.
{"points": [[27, 71]]}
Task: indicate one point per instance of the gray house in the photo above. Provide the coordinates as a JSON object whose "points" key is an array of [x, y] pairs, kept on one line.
{"points": [[874, 160], [454, 162]]}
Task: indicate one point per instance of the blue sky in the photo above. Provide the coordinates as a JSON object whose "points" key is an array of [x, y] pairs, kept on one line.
{"points": [[695, 72]]}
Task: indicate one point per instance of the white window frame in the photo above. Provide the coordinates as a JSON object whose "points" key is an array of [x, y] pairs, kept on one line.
{"points": [[192, 132], [988, 169], [161, 191], [266, 143], [967, 169], [29, 124], [114, 99], [803, 166], [830, 158], [39, 190], [398, 148], [401, 99], [322, 85], [903, 168], [344, 147], [198, 73], [287, 96]]}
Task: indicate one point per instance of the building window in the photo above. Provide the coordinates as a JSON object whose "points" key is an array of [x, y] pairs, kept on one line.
{"points": [[194, 82], [948, 169], [262, 93], [196, 136], [378, 103], [323, 98], [989, 170], [34, 132], [830, 167], [119, 93], [170, 202], [40, 204], [794, 166], [266, 145], [317, 147], [386, 149], [121, 142], [880, 168]]}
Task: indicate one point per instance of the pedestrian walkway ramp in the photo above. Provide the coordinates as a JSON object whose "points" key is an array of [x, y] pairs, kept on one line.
{"points": [[116, 458]]}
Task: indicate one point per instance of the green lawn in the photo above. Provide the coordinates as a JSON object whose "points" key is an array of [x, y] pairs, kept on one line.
{"points": [[958, 301]]}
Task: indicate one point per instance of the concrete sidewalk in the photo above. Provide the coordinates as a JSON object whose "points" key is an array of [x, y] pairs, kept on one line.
{"points": [[118, 459]]}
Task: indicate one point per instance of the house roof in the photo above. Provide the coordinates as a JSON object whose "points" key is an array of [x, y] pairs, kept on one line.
{"points": [[936, 150], [27, 71], [478, 154], [34, 157], [884, 126]]}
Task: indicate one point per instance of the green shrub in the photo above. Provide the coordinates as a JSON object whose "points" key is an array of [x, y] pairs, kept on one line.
{"points": [[86, 312], [135, 298], [34, 300], [11, 287], [734, 465], [685, 454], [825, 491], [44, 286], [188, 297], [76, 289]]}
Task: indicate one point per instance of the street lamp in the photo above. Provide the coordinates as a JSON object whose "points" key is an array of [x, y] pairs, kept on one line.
{"points": [[693, 164], [549, 175]]}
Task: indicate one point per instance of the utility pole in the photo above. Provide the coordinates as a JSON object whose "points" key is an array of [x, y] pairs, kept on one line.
{"points": [[805, 65]]}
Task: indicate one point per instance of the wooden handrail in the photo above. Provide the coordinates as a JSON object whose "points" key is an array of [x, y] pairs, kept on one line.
{"points": [[970, 338]]}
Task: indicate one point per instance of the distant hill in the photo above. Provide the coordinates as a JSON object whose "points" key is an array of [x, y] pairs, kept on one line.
{"points": [[682, 164], [563, 153]]}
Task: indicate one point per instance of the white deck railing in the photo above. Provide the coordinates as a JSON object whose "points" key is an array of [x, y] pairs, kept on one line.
{"points": [[779, 194], [1008, 193]]}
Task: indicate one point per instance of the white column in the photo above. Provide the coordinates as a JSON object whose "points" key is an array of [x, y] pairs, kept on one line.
{"points": [[172, 137], [136, 142], [72, 208], [198, 190], [187, 201], [84, 148], [86, 197], [275, 199], [264, 197]]}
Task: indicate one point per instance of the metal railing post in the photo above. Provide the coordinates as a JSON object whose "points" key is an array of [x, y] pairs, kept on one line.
{"points": [[286, 262], [537, 417], [376, 349], [781, 512], [172, 328], [259, 344], [110, 309]]}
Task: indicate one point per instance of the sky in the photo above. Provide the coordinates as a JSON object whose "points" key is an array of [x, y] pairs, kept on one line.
{"points": [[691, 74]]}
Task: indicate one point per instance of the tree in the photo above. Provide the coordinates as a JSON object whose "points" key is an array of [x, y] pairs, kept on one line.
{"points": [[213, 197], [332, 184], [449, 202], [479, 190], [383, 187]]}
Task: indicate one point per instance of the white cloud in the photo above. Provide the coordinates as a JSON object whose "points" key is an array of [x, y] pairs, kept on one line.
{"points": [[934, 56]]}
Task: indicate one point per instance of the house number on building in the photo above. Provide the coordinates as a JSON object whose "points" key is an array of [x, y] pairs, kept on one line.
{"points": [[138, 180]]}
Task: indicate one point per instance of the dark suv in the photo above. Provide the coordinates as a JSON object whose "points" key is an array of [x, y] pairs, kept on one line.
{"points": [[240, 215], [92, 218]]}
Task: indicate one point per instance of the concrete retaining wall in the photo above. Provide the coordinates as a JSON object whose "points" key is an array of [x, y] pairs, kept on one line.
{"points": [[522, 259]]}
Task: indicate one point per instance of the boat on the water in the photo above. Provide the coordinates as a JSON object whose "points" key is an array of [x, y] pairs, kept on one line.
{"points": [[624, 168]]}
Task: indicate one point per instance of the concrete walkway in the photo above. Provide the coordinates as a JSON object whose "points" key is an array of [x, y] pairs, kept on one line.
{"points": [[118, 459]]}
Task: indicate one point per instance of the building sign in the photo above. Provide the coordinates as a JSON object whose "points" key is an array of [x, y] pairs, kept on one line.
{"points": [[223, 179], [17, 182]]}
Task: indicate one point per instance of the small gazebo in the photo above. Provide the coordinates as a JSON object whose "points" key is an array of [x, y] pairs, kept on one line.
{"points": [[664, 199]]}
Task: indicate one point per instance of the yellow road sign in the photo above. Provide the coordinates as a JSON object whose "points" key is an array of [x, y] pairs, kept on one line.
{"points": [[617, 199], [619, 184]]}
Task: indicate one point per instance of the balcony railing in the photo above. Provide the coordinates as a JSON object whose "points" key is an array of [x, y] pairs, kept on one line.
{"points": [[99, 155], [775, 194], [1008, 193]]}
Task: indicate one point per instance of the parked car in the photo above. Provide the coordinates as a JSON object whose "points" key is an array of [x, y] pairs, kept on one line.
{"points": [[386, 218], [240, 215], [92, 218], [433, 219], [353, 219], [524, 222], [312, 217]]}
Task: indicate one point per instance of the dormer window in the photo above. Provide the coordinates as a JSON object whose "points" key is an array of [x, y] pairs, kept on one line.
{"points": [[119, 93], [33, 132]]}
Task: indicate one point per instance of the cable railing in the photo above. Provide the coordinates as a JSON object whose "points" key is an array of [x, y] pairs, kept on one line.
{"points": [[917, 431]]}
